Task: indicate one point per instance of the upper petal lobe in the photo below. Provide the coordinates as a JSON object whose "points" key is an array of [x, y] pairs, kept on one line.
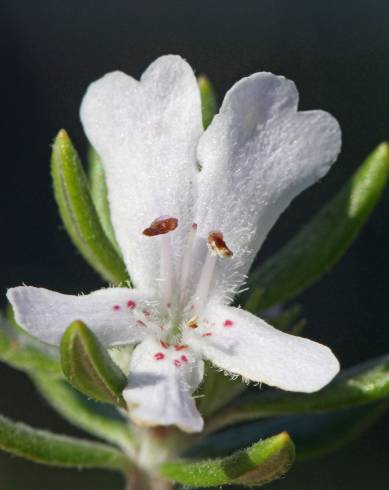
{"points": [[256, 156], [146, 134]]}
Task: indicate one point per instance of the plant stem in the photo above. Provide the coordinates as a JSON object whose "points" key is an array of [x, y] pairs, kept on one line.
{"points": [[136, 479]]}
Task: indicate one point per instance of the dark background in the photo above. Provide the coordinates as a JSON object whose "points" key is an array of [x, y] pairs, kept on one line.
{"points": [[338, 55]]}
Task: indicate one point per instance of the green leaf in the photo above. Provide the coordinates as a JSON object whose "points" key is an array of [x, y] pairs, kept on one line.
{"points": [[313, 435], [44, 447], [88, 366], [261, 463], [209, 104], [216, 390], [99, 193], [98, 419], [79, 214], [321, 434], [362, 384], [324, 240], [23, 352], [289, 320]]}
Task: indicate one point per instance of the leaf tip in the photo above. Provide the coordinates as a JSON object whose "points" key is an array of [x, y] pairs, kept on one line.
{"points": [[382, 150], [62, 138]]}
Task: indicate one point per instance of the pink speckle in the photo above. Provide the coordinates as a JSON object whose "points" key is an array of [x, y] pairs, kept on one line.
{"points": [[116, 307], [228, 323], [159, 356], [177, 363], [207, 334], [131, 304], [184, 359], [194, 226], [180, 347]]}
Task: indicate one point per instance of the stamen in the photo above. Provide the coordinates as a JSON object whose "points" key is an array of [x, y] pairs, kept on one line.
{"points": [[186, 264], [192, 323], [204, 283], [217, 244], [166, 268], [218, 248], [161, 226], [181, 347]]}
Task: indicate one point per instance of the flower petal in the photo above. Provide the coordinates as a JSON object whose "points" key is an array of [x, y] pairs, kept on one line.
{"points": [[256, 156], [243, 344], [146, 134], [160, 386], [109, 313]]}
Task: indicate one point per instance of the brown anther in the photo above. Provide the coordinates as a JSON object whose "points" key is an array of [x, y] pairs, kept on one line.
{"points": [[161, 225], [217, 244], [192, 323], [181, 347]]}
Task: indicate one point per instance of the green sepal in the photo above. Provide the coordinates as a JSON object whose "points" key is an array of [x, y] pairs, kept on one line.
{"points": [[23, 352], [314, 435], [56, 450], [88, 366], [209, 103], [96, 418], [99, 194], [79, 214], [257, 465], [323, 241], [362, 384]]}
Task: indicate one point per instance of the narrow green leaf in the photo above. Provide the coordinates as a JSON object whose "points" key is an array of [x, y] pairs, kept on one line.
{"points": [[216, 390], [324, 240], [322, 434], [42, 364], [362, 384], [99, 193], [261, 463], [79, 214], [88, 366], [56, 450], [289, 320], [209, 104], [313, 435], [98, 419], [23, 352]]}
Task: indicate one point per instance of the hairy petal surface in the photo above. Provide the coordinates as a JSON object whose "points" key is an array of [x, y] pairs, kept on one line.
{"points": [[160, 386], [256, 156], [146, 134], [109, 313], [244, 344]]}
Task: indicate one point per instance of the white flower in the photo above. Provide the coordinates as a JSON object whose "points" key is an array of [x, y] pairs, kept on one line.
{"points": [[188, 237]]}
